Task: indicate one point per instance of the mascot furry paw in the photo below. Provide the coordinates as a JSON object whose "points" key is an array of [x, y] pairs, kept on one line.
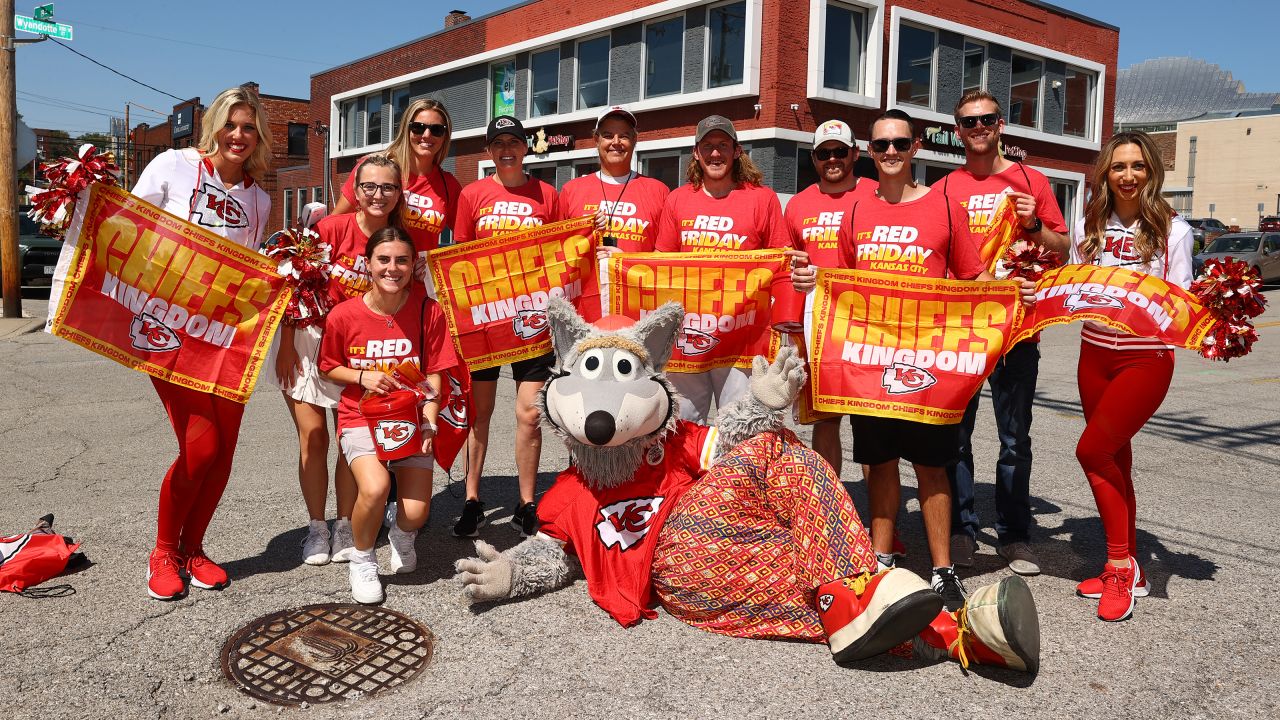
{"points": [[737, 529]]}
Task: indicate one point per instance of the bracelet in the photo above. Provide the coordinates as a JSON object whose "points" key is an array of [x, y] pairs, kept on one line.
{"points": [[426, 425], [360, 380]]}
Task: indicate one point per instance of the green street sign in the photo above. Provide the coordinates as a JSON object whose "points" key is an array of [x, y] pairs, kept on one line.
{"points": [[22, 23], [44, 13]]}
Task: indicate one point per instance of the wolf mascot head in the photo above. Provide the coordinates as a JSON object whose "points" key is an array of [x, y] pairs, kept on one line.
{"points": [[607, 396]]}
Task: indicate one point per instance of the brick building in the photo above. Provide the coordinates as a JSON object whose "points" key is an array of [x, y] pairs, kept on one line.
{"points": [[290, 124], [777, 68]]}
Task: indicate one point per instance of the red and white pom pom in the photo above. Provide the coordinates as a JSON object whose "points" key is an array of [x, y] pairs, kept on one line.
{"points": [[1230, 289], [52, 207], [304, 262], [1031, 262]]}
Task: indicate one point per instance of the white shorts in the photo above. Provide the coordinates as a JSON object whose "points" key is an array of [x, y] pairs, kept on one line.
{"points": [[697, 390], [357, 442], [310, 386]]}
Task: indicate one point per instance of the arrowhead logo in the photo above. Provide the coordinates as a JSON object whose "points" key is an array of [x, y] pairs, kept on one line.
{"points": [[1083, 301], [151, 335], [824, 601], [626, 522], [901, 379], [214, 207], [529, 324], [695, 342], [392, 434]]}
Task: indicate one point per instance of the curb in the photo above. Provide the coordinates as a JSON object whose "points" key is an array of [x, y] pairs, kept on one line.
{"points": [[12, 328]]}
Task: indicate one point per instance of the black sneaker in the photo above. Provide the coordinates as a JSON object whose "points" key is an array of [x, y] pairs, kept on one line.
{"points": [[472, 519], [946, 584], [525, 518]]}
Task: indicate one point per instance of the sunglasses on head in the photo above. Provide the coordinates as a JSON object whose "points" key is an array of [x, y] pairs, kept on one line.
{"points": [[900, 144], [969, 122], [824, 154], [437, 129]]}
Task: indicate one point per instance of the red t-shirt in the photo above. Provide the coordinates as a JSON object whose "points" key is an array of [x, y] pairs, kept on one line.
{"points": [[925, 237], [486, 208], [634, 207], [748, 218], [814, 219], [614, 531], [357, 337], [430, 203], [980, 196], [349, 276]]}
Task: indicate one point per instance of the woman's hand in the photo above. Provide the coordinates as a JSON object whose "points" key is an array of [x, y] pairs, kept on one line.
{"points": [[428, 438], [288, 363], [378, 382], [1027, 290], [804, 277]]}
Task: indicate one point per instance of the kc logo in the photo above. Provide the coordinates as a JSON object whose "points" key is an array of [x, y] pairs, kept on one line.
{"points": [[695, 342], [213, 207], [626, 522], [902, 379], [454, 411], [1083, 301], [151, 335], [824, 601], [392, 434], [529, 323]]}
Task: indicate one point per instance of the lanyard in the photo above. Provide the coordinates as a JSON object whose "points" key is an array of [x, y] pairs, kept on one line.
{"points": [[604, 194]]}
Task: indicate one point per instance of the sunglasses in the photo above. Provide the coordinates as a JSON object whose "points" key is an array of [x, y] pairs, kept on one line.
{"points": [[369, 188], [969, 122], [437, 129], [900, 144], [839, 153]]}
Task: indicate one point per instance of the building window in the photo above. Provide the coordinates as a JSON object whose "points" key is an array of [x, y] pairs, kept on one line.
{"points": [[806, 175], [664, 167], [664, 57], [1064, 191], [298, 138], [1024, 91], [1077, 101], [288, 217], [399, 101], [727, 25], [545, 71], [844, 47], [975, 65], [373, 122], [593, 72], [915, 65], [349, 119], [317, 195], [585, 168], [546, 172]]}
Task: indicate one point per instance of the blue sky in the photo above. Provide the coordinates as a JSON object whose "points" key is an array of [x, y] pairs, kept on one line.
{"points": [[195, 49]]}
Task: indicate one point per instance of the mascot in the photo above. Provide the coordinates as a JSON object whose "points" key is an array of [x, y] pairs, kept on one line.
{"points": [[737, 529]]}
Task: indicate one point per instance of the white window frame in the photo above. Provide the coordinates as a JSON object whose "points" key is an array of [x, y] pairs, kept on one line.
{"points": [[529, 110], [933, 69], [644, 55], [873, 55], [706, 42], [986, 57], [286, 206], [900, 15], [1089, 128], [577, 70], [1039, 126]]}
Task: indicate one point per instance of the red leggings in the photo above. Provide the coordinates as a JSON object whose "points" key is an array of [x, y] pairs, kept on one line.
{"points": [[207, 427], [1119, 390]]}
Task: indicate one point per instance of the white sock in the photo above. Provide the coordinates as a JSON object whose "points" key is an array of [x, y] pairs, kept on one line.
{"points": [[364, 556]]}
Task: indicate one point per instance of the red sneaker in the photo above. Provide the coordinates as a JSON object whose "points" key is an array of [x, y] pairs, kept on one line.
{"points": [[998, 625], [164, 579], [1116, 603], [865, 615], [205, 573], [1092, 587]]}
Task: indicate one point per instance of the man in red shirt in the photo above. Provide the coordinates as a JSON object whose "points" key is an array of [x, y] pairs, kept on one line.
{"points": [[626, 204], [980, 185], [814, 217], [723, 208]]}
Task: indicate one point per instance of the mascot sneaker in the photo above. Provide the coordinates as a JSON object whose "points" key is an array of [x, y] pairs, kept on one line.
{"points": [[343, 544], [164, 576], [1092, 588], [998, 625], [865, 615], [205, 573], [404, 557], [1116, 603]]}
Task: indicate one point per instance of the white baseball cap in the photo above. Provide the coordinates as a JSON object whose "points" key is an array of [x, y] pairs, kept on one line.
{"points": [[836, 130], [618, 110]]}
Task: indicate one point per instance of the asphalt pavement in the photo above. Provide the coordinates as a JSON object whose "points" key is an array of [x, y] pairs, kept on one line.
{"points": [[87, 440]]}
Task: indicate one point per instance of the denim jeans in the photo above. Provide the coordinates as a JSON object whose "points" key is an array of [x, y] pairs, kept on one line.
{"points": [[1013, 390]]}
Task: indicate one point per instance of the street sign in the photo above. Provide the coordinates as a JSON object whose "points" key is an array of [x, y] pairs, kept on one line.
{"points": [[22, 23], [44, 13]]}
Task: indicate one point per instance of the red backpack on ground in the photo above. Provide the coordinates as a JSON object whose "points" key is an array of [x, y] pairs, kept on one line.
{"points": [[30, 559]]}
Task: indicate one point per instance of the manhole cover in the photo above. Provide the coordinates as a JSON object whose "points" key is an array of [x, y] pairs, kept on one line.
{"points": [[322, 653]]}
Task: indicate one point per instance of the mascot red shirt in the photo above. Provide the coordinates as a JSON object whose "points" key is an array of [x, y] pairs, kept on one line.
{"points": [[614, 531]]}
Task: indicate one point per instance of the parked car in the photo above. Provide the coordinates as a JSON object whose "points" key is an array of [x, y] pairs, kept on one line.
{"points": [[1261, 250], [37, 253], [1205, 231], [1270, 223]]}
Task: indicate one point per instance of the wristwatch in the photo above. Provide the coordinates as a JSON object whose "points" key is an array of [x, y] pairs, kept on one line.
{"points": [[1035, 227]]}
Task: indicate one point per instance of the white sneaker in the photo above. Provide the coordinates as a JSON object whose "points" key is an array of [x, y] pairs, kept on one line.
{"points": [[343, 544], [315, 548], [404, 557], [365, 586], [389, 515]]}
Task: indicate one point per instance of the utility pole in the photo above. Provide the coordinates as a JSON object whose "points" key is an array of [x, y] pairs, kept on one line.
{"points": [[123, 161], [12, 280]]}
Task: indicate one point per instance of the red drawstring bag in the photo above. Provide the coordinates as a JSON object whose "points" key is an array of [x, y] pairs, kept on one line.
{"points": [[30, 559]]}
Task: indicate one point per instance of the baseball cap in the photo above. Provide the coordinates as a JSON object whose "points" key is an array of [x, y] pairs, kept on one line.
{"points": [[715, 122], [618, 110], [503, 125], [833, 130]]}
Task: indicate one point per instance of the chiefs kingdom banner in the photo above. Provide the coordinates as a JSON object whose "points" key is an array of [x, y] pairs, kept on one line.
{"points": [[494, 291], [727, 299], [165, 297]]}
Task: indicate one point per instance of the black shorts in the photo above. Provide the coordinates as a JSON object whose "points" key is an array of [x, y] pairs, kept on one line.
{"points": [[536, 369], [879, 440]]}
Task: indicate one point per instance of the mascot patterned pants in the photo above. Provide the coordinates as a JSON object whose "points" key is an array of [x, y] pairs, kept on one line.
{"points": [[745, 546]]}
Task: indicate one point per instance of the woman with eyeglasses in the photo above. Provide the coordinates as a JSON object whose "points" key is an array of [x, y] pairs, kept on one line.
{"points": [[1124, 378], [211, 185], [310, 396]]}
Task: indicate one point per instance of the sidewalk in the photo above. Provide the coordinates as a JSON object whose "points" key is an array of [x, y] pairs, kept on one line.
{"points": [[11, 328]]}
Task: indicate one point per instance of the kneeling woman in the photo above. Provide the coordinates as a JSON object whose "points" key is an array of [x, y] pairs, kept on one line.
{"points": [[402, 323]]}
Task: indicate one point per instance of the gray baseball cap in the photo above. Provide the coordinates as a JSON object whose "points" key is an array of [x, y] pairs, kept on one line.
{"points": [[715, 122]]}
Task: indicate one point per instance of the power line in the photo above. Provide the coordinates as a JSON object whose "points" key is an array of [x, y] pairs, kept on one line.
{"points": [[126, 77], [185, 41], [68, 107], [73, 105]]}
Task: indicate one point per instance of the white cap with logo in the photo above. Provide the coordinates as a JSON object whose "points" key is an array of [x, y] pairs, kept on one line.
{"points": [[619, 111], [836, 130]]}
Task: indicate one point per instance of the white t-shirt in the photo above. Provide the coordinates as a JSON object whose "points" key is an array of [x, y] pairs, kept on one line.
{"points": [[1173, 266], [180, 182]]}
